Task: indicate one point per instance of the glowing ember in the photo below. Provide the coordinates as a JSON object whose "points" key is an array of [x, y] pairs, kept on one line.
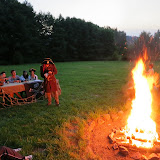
{"points": [[141, 129]]}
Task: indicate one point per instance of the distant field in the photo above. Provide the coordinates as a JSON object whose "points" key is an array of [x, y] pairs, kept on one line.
{"points": [[87, 87]]}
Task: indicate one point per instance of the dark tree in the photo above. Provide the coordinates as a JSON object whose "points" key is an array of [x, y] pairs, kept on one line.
{"points": [[27, 37], [18, 32]]}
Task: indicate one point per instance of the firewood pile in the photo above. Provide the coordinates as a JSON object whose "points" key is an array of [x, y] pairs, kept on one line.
{"points": [[121, 142]]}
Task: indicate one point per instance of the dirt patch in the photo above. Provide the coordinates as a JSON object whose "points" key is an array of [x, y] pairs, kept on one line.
{"points": [[98, 136], [91, 142], [99, 143]]}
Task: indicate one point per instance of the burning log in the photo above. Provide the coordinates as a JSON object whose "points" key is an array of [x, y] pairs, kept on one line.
{"points": [[111, 135], [111, 138], [127, 145], [120, 139], [141, 140], [119, 132], [154, 149], [115, 146], [123, 150]]}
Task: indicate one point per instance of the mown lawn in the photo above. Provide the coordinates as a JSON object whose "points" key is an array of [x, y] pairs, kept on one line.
{"points": [[88, 88]]}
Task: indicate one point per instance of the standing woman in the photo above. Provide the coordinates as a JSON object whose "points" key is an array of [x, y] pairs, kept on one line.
{"points": [[48, 72]]}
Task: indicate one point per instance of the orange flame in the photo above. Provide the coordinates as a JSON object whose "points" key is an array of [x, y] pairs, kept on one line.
{"points": [[139, 124]]}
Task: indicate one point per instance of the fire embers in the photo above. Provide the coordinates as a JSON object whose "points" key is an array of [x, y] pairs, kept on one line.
{"points": [[141, 138], [125, 144]]}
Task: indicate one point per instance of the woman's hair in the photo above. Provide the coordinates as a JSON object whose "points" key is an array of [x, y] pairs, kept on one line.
{"points": [[25, 74]]}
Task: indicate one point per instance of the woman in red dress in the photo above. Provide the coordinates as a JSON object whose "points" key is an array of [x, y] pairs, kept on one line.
{"points": [[48, 72]]}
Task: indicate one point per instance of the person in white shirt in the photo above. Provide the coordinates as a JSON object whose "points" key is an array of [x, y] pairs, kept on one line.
{"points": [[32, 75]]}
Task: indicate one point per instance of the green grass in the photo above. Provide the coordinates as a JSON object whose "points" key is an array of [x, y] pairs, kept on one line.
{"points": [[88, 89]]}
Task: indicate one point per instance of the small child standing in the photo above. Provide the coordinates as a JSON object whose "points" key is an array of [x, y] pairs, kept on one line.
{"points": [[151, 70]]}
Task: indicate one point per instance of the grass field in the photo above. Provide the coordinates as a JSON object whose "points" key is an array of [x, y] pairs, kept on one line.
{"points": [[88, 89]]}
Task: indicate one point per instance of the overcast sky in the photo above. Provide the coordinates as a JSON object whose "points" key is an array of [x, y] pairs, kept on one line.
{"points": [[131, 16]]}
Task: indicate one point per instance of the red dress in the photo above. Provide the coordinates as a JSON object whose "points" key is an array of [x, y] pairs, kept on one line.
{"points": [[49, 82]]}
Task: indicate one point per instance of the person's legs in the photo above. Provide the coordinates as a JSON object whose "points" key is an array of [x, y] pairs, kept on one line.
{"points": [[56, 97], [49, 97], [8, 153], [23, 94]]}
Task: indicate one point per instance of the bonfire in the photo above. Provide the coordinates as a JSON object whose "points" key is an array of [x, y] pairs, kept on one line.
{"points": [[140, 130]]}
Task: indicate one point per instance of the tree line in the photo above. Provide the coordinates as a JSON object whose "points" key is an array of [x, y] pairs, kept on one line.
{"points": [[28, 37], [143, 42]]}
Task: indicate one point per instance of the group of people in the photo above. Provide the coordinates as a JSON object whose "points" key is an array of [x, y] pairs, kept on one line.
{"points": [[15, 78], [48, 71]]}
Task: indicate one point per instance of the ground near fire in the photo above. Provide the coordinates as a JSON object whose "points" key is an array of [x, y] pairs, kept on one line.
{"points": [[93, 103]]}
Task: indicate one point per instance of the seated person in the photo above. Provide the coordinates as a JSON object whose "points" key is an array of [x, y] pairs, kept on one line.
{"points": [[3, 75], [24, 77], [3, 78], [7, 153], [14, 78], [32, 75]]}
